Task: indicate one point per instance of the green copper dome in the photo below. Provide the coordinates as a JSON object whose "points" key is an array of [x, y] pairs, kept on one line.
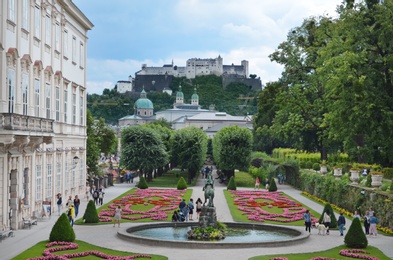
{"points": [[179, 94], [144, 103], [195, 95]]}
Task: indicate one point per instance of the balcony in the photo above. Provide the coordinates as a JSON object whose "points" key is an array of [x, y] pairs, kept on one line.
{"points": [[16, 122]]}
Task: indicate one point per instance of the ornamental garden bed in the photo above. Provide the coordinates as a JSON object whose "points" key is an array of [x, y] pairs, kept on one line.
{"points": [[264, 206], [79, 250]]}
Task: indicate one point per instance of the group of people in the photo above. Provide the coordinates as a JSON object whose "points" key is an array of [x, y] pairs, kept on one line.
{"points": [[72, 207], [98, 195], [186, 210], [258, 183], [206, 171], [370, 221], [129, 176]]}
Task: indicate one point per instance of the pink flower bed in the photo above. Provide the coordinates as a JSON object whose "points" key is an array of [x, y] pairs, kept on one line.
{"points": [[251, 203], [168, 202], [63, 246], [357, 253]]}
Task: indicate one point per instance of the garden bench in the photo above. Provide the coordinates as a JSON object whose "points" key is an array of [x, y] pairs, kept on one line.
{"points": [[6, 233], [29, 222]]}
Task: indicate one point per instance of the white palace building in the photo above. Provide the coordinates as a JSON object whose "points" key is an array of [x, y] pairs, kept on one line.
{"points": [[42, 107]]}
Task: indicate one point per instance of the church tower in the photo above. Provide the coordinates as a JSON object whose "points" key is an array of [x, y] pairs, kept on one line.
{"points": [[195, 98], [179, 96]]}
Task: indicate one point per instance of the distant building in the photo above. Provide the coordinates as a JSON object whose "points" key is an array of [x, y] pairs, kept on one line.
{"points": [[144, 112], [198, 67], [124, 86]]}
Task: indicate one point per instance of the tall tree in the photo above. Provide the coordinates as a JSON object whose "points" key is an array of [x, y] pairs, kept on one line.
{"points": [[232, 147], [106, 136], [92, 151], [190, 148], [142, 149], [358, 71]]}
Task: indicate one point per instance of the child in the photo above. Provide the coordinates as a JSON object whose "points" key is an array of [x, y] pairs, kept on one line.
{"points": [[257, 183]]}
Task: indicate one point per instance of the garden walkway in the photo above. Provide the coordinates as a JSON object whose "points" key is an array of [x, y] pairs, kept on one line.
{"points": [[106, 235]]}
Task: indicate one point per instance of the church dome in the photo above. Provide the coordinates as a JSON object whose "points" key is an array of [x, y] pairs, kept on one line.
{"points": [[144, 103], [179, 94]]}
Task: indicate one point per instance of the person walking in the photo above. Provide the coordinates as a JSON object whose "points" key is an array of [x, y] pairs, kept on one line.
{"points": [[257, 183], [182, 204], [87, 192], [341, 223], [327, 220], [71, 214], [77, 202], [307, 220], [95, 197], [59, 203], [366, 222], [101, 193], [117, 216], [186, 211], [70, 201], [373, 225], [267, 183], [198, 207], [191, 208]]}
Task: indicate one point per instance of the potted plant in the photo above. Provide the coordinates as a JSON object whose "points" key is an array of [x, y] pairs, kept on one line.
{"points": [[323, 169], [376, 179], [354, 174], [337, 172]]}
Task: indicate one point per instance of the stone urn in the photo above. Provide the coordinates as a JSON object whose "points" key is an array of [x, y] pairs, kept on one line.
{"points": [[338, 172], [376, 180], [323, 169], [354, 176]]}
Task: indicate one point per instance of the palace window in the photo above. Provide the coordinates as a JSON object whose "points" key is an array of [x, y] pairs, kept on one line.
{"points": [[65, 43], [38, 183], [25, 92], [25, 14], [11, 10], [11, 90], [57, 103], [49, 181], [48, 30], [82, 111], [73, 49], [58, 176], [81, 55], [37, 97], [47, 101], [74, 109], [57, 36], [37, 21]]}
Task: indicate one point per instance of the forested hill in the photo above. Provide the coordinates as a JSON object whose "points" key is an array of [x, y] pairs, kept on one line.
{"points": [[112, 106]]}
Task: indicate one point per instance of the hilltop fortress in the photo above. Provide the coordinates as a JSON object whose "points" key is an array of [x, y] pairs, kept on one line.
{"points": [[160, 78], [198, 67]]}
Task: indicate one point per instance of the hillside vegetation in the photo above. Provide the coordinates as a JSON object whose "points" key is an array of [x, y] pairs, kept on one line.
{"points": [[112, 106]]}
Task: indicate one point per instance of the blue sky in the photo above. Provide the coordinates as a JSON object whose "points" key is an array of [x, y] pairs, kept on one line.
{"points": [[129, 33]]}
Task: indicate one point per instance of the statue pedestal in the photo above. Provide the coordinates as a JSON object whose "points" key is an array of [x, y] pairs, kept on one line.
{"points": [[208, 217]]}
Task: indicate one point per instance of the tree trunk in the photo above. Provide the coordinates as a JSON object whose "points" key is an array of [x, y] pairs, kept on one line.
{"points": [[149, 175]]}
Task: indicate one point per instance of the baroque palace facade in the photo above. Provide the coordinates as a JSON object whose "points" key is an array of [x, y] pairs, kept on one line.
{"points": [[42, 106]]}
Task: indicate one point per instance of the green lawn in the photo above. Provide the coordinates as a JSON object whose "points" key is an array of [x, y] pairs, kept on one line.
{"points": [[331, 253], [36, 251], [169, 180]]}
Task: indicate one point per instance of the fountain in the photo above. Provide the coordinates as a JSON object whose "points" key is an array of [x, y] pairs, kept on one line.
{"points": [[237, 235]]}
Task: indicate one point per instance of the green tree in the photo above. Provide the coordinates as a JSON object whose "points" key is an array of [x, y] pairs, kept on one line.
{"points": [[106, 137], [91, 215], [189, 147], [232, 147], [92, 151], [355, 238], [143, 149]]}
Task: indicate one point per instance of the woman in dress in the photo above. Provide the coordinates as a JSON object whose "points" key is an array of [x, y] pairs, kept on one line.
{"points": [[117, 216], [327, 220], [198, 207]]}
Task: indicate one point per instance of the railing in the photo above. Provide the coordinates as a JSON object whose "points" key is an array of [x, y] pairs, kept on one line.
{"points": [[25, 123]]}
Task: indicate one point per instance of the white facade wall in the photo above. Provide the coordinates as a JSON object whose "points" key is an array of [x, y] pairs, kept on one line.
{"points": [[42, 106]]}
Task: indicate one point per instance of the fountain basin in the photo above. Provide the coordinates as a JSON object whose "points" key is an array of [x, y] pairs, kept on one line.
{"points": [[295, 236]]}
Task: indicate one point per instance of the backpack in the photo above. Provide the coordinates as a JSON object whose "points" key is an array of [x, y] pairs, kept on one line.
{"points": [[100, 195], [95, 195]]}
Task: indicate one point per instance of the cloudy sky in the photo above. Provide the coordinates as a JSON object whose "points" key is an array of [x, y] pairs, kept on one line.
{"points": [[129, 33]]}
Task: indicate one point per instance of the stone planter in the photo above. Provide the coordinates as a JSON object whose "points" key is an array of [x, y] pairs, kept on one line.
{"points": [[338, 172], [323, 169], [376, 180], [354, 176]]}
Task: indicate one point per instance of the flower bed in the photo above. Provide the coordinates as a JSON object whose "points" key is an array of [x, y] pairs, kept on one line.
{"points": [[63, 246], [258, 205], [165, 201]]}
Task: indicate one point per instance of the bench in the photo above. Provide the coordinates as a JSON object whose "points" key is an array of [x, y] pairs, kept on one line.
{"points": [[6, 233], [29, 222]]}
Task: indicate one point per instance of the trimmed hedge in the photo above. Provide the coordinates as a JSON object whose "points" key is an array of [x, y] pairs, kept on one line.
{"points": [[355, 238], [181, 184], [142, 184], [91, 215], [272, 186], [62, 230], [231, 184]]}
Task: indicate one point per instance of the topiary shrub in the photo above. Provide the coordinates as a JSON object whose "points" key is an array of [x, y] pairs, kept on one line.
{"points": [[272, 186], [231, 184], [316, 167], [181, 184], [142, 184], [355, 238], [62, 230], [333, 220], [91, 215]]}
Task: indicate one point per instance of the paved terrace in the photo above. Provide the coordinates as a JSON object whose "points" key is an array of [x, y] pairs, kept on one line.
{"points": [[106, 235]]}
